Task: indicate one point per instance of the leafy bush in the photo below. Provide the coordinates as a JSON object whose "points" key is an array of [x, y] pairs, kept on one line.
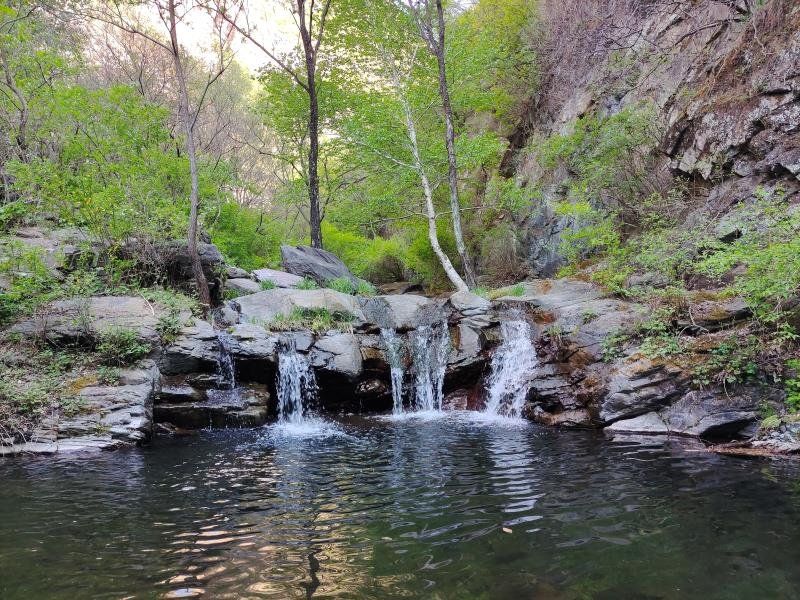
{"points": [[120, 346], [372, 258], [365, 288], [307, 284], [108, 375], [341, 284]]}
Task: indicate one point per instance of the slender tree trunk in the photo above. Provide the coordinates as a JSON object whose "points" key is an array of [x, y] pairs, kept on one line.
{"points": [[21, 137], [450, 139], [314, 215], [433, 236], [186, 122]]}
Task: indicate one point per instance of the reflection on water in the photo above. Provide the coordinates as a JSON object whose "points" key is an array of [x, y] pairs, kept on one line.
{"points": [[419, 508]]}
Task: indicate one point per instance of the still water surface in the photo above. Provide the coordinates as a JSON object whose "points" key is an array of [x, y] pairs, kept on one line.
{"points": [[441, 508]]}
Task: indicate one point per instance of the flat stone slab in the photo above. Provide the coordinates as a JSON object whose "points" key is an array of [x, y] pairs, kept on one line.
{"points": [[281, 279], [265, 306], [245, 286]]}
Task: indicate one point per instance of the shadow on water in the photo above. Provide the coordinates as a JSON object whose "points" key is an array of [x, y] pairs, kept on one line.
{"points": [[458, 506]]}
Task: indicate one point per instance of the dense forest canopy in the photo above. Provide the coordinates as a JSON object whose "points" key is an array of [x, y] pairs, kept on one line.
{"points": [[92, 109]]}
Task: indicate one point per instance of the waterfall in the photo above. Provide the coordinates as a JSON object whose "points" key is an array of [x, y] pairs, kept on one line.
{"points": [[430, 349], [226, 371], [296, 384], [512, 365], [394, 356]]}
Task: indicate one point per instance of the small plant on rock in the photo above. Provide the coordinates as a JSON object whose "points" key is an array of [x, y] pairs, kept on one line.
{"points": [[120, 346], [307, 284], [341, 284], [268, 284]]}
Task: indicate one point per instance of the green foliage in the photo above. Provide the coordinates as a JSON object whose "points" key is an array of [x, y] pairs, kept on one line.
{"points": [[365, 288], [120, 346], [307, 284], [792, 385], [732, 361], [31, 283], [268, 284], [315, 319], [109, 375], [371, 258], [247, 237], [341, 284], [613, 345], [771, 422]]}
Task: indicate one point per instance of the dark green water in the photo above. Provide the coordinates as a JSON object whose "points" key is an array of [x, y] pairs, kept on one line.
{"points": [[401, 510]]}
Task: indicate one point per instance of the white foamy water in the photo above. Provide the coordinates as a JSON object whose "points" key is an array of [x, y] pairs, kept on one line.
{"points": [[394, 356], [512, 365], [296, 385], [430, 349]]}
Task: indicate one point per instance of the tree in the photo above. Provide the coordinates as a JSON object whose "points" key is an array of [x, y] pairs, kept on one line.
{"points": [[387, 97], [431, 24], [310, 20], [114, 13]]}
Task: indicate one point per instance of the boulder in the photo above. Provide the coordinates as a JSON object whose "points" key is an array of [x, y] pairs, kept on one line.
{"points": [[468, 304], [281, 279], [639, 386], [401, 312], [67, 321], [314, 263], [707, 413], [181, 263], [243, 286], [236, 273], [264, 306], [339, 353], [196, 350], [715, 314], [252, 342]]}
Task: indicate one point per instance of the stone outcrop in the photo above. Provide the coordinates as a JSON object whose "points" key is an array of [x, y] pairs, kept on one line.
{"points": [[265, 306], [111, 416], [315, 263], [68, 321]]}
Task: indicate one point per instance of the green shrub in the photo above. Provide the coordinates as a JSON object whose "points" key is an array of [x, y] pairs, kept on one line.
{"points": [[120, 346], [373, 258], [315, 319], [268, 284], [792, 385], [341, 284], [109, 375], [365, 288], [307, 284], [169, 327]]}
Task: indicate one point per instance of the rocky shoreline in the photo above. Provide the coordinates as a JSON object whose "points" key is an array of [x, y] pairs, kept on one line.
{"points": [[180, 385]]}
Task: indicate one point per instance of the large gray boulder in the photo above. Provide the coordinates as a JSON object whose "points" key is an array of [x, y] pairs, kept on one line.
{"points": [[314, 263], [243, 286], [469, 304], [264, 306], [196, 350], [281, 279]]}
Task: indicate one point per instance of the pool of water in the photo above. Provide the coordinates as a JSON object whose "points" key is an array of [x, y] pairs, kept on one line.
{"points": [[410, 508]]}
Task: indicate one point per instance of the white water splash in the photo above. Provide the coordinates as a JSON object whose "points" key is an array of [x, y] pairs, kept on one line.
{"points": [[430, 349], [394, 356], [296, 385], [512, 365]]}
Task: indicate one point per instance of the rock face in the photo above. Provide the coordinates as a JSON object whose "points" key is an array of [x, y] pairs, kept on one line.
{"points": [[265, 306], [314, 263], [67, 321], [111, 416], [729, 99], [401, 312]]}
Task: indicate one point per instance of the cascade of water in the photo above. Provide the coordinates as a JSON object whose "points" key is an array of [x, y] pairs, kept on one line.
{"points": [[430, 349], [296, 384], [394, 356], [512, 364], [226, 371]]}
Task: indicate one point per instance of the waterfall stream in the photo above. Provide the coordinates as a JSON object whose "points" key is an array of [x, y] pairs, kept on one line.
{"points": [[226, 371], [394, 356], [512, 365], [430, 349], [296, 384]]}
